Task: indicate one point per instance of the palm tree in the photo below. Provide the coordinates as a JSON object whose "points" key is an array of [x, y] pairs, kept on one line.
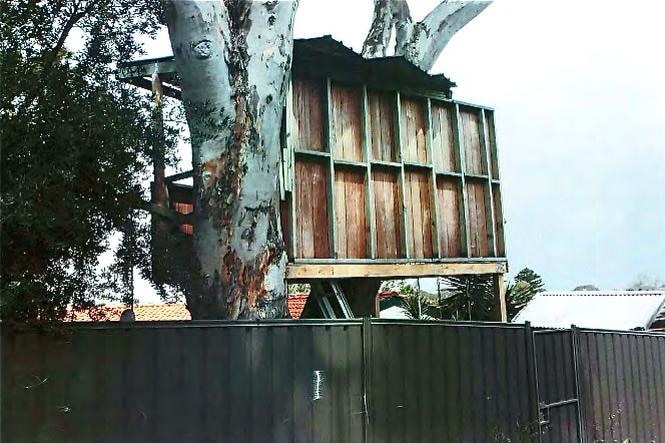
{"points": [[471, 297]]}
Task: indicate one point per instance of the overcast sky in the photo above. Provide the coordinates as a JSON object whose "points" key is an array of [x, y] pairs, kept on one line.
{"points": [[580, 115]]}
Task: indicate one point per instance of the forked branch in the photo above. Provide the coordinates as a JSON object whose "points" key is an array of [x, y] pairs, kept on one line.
{"points": [[421, 43]]}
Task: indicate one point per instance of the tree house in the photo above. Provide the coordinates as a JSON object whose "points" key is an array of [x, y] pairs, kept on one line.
{"points": [[382, 175]]}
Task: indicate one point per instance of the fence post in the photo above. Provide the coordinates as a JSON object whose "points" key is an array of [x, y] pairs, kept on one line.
{"points": [[581, 428], [3, 386], [367, 375], [532, 374]]}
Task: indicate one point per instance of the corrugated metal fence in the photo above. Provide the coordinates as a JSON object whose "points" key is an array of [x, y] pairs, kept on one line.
{"points": [[449, 383], [329, 381], [622, 380]]}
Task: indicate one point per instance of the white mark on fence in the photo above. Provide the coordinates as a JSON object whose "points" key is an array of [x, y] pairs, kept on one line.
{"points": [[39, 380], [318, 384]]}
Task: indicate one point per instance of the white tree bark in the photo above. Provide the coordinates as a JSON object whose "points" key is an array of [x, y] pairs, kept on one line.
{"points": [[421, 43], [234, 57]]}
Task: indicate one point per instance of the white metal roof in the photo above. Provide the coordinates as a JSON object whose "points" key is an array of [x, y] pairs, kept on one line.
{"points": [[621, 310]]}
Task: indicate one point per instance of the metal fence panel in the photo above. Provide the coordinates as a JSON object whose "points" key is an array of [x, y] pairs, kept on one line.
{"points": [[557, 386], [328, 382], [441, 382], [622, 378], [294, 382]]}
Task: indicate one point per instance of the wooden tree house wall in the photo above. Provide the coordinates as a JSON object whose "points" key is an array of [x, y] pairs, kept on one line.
{"points": [[382, 176], [374, 175]]}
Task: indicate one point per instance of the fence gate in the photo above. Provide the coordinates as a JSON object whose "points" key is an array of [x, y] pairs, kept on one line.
{"points": [[557, 387]]}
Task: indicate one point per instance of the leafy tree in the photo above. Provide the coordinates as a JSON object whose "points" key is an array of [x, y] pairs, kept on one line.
{"points": [[76, 146], [521, 290], [419, 307], [468, 297], [472, 297]]}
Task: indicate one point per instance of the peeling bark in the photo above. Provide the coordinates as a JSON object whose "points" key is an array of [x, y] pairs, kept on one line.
{"points": [[234, 57], [421, 43]]}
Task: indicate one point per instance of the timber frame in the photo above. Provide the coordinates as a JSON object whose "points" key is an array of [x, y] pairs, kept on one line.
{"points": [[471, 176]]}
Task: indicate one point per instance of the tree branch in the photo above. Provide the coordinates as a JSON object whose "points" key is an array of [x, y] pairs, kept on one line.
{"points": [[421, 43], [69, 25], [442, 23], [387, 15], [174, 217]]}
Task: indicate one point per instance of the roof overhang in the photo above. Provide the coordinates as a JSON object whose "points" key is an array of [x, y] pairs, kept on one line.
{"points": [[620, 310], [322, 57]]}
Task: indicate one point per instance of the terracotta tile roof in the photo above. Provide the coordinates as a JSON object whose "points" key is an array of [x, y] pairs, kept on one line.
{"points": [[296, 303], [388, 294], [162, 311], [147, 312]]}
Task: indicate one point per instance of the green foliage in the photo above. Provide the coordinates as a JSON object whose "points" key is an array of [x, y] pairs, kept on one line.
{"points": [[472, 297], [419, 306], [521, 290], [76, 146], [299, 288], [401, 286], [468, 298]]}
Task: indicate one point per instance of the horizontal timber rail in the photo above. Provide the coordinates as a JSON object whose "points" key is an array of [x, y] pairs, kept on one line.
{"points": [[298, 270]]}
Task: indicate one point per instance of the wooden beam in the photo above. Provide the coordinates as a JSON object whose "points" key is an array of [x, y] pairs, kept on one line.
{"points": [[146, 68], [179, 176], [500, 297], [298, 271]]}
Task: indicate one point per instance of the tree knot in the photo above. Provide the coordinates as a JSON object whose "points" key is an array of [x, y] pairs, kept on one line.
{"points": [[202, 49]]}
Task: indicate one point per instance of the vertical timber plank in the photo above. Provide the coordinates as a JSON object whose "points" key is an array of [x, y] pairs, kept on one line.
{"points": [[369, 200], [346, 107], [331, 171], [385, 187], [308, 129], [498, 214], [341, 215], [443, 138], [450, 223], [462, 167], [413, 120], [312, 210], [489, 195], [381, 136], [403, 194], [470, 125], [433, 188]]}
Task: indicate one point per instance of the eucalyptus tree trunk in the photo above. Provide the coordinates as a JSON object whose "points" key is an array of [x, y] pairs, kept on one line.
{"points": [[234, 59], [421, 42]]}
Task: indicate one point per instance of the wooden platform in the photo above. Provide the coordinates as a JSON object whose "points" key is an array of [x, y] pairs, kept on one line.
{"points": [[305, 271]]}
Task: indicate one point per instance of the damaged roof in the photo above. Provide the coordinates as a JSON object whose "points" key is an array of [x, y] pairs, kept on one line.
{"points": [[320, 56], [619, 310]]}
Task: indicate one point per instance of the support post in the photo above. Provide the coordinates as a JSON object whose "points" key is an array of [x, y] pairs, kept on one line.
{"points": [[367, 376], [500, 297], [160, 227], [362, 294]]}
